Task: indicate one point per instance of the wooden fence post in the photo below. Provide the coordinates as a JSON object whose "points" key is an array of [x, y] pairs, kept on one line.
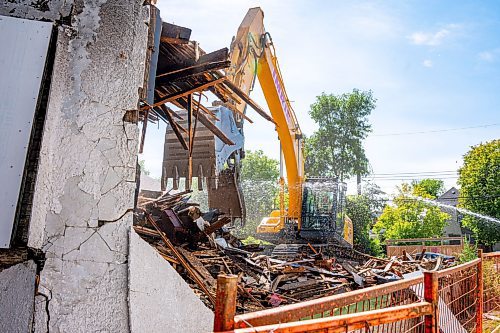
{"points": [[225, 302], [431, 295], [479, 304]]}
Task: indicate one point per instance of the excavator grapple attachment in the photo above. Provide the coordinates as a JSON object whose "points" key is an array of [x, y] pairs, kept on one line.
{"points": [[214, 163]]}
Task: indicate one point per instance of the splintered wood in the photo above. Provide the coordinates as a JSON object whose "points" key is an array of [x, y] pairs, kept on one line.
{"points": [[200, 247]]}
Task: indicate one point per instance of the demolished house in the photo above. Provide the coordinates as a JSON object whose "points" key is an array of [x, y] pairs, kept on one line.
{"points": [[82, 250], [72, 107], [73, 102]]}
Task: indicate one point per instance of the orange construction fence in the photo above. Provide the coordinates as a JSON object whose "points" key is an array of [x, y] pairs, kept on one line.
{"points": [[450, 300]]}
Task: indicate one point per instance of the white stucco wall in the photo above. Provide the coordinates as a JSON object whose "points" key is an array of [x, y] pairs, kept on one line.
{"points": [[84, 195], [160, 300]]}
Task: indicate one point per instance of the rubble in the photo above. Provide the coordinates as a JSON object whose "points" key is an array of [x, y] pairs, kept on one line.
{"points": [[200, 246]]}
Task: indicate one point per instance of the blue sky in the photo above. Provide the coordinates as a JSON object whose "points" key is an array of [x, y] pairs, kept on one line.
{"points": [[432, 65]]}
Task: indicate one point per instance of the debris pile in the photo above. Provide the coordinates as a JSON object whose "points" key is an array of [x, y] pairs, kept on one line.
{"points": [[377, 270], [200, 246]]}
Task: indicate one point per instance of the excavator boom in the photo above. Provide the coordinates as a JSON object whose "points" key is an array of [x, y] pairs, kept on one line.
{"points": [[253, 49]]}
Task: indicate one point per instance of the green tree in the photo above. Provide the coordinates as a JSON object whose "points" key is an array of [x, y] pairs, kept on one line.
{"points": [[259, 182], [336, 148], [375, 196], [428, 188], [363, 210], [410, 218], [359, 211], [479, 179], [257, 166]]}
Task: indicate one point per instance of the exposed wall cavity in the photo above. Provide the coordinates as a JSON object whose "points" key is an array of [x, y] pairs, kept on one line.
{"points": [[160, 300], [84, 195]]}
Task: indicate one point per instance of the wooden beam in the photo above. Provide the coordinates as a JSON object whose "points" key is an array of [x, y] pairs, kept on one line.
{"points": [[218, 55], [174, 34], [190, 139], [248, 100], [180, 94], [219, 93], [214, 129], [208, 124], [183, 73], [236, 111], [198, 105], [189, 269], [228, 92], [174, 127]]}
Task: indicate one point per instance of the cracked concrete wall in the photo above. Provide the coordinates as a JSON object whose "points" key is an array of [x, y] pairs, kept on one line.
{"points": [[160, 300], [17, 289], [84, 195]]}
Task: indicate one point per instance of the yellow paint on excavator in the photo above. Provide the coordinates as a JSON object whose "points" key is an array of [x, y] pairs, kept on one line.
{"points": [[252, 52]]}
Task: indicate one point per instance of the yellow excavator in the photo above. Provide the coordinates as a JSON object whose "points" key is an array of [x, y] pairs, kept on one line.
{"points": [[315, 211]]}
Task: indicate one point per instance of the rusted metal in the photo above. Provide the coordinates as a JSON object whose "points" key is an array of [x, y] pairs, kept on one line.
{"points": [[480, 292], [225, 306], [345, 323], [431, 295], [301, 310]]}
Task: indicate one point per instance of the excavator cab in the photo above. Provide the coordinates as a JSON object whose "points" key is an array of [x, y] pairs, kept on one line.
{"points": [[323, 209]]}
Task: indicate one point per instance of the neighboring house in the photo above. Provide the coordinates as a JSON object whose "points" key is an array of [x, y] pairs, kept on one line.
{"points": [[454, 227]]}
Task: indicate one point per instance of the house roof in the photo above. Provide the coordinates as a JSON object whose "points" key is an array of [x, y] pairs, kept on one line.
{"points": [[450, 197]]}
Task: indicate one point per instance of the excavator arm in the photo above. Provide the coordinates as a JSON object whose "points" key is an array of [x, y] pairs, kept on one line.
{"points": [[253, 54]]}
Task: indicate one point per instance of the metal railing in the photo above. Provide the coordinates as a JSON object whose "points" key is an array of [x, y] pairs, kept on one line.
{"points": [[460, 298], [450, 300], [491, 281]]}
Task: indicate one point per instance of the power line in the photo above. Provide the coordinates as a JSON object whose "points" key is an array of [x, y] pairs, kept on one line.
{"points": [[412, 176], [409, 178], [436, 131], [413, 173]]}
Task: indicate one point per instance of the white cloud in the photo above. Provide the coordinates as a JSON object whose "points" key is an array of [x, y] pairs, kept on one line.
{"points": [[427, 63], [486, 56], [489, 56], [432, 38]]}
